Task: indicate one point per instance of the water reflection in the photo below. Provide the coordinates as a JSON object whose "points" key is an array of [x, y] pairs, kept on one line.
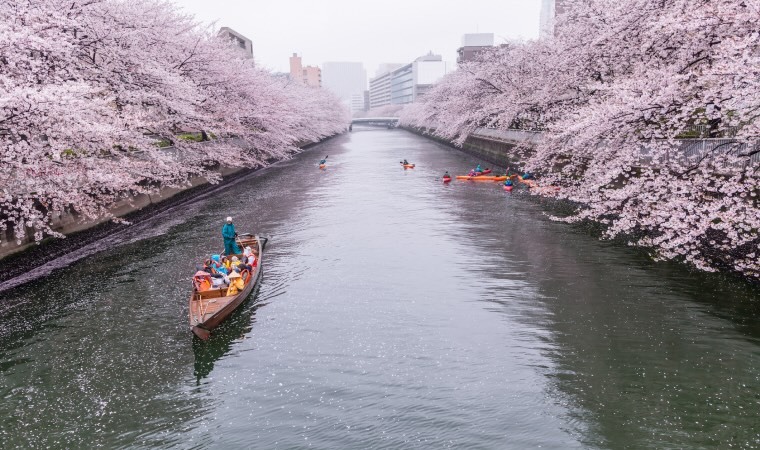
{"points": [[401, 312], [233, 330]]}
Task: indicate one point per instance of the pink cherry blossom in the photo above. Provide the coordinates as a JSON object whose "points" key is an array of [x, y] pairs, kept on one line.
{"points": [[92, 92], [614, 92]]}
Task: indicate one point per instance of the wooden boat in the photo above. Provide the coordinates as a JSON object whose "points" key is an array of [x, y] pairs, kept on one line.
{"points": [[209, 308]]}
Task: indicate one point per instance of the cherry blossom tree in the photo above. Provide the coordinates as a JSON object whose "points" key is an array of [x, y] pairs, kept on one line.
{"points": [[615, 92], [95, 96]]}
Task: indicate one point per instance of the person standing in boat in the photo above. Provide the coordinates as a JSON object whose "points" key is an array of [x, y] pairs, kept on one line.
{"points": [[229, 234]]}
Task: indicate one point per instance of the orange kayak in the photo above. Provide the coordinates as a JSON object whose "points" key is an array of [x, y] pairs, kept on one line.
{"points": [[322, 166], [408, 166], [481, 178]]}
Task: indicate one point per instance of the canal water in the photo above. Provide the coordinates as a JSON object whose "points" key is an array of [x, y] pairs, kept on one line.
{"points": [[394, 312]]}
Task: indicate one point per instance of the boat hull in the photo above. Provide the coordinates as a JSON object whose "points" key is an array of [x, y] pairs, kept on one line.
{"points": [[207, 313]]}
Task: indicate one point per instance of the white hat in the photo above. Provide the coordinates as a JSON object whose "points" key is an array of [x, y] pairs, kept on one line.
{"points": [[229, 219], [234, 275]]}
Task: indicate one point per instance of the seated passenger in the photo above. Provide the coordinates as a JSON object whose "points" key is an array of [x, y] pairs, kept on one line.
{"points": [[217, 265], [236, 284], [202, 281], [235, 262]]}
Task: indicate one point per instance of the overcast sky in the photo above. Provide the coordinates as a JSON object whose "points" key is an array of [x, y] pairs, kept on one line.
{"points": [[371, 32]]}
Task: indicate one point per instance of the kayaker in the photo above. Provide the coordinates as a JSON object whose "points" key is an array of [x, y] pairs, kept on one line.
{"points": [[446, 175], [322, 162], [236, 284], [508, 182], [406, 163], [229, 234], [471, 173], [527, 176], [478, 169]]}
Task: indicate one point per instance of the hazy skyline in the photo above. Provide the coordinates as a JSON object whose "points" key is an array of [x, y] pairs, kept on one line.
{"points": [[375, 33]]}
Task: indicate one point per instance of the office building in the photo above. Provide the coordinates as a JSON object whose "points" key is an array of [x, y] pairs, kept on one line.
{"points": [[312, 76], [380, 86], [406, 84], [309, 75], [550, 9], [296, 68], [357, 102], [344, 79], [245, 44], [472, 44]]}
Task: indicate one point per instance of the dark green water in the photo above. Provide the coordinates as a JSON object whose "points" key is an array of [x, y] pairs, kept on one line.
{"points": [[395, 312]]}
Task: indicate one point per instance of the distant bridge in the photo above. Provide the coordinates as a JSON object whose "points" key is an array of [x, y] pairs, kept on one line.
{"points": [[390, 122]]}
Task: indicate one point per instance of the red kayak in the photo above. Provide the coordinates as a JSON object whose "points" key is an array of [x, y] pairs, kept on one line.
{"points": [[446, 179], [486, 172], [508, 188]]}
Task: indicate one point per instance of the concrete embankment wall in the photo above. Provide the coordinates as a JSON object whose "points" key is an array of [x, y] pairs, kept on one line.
{"points": [[494, 151], [71, 223]]}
